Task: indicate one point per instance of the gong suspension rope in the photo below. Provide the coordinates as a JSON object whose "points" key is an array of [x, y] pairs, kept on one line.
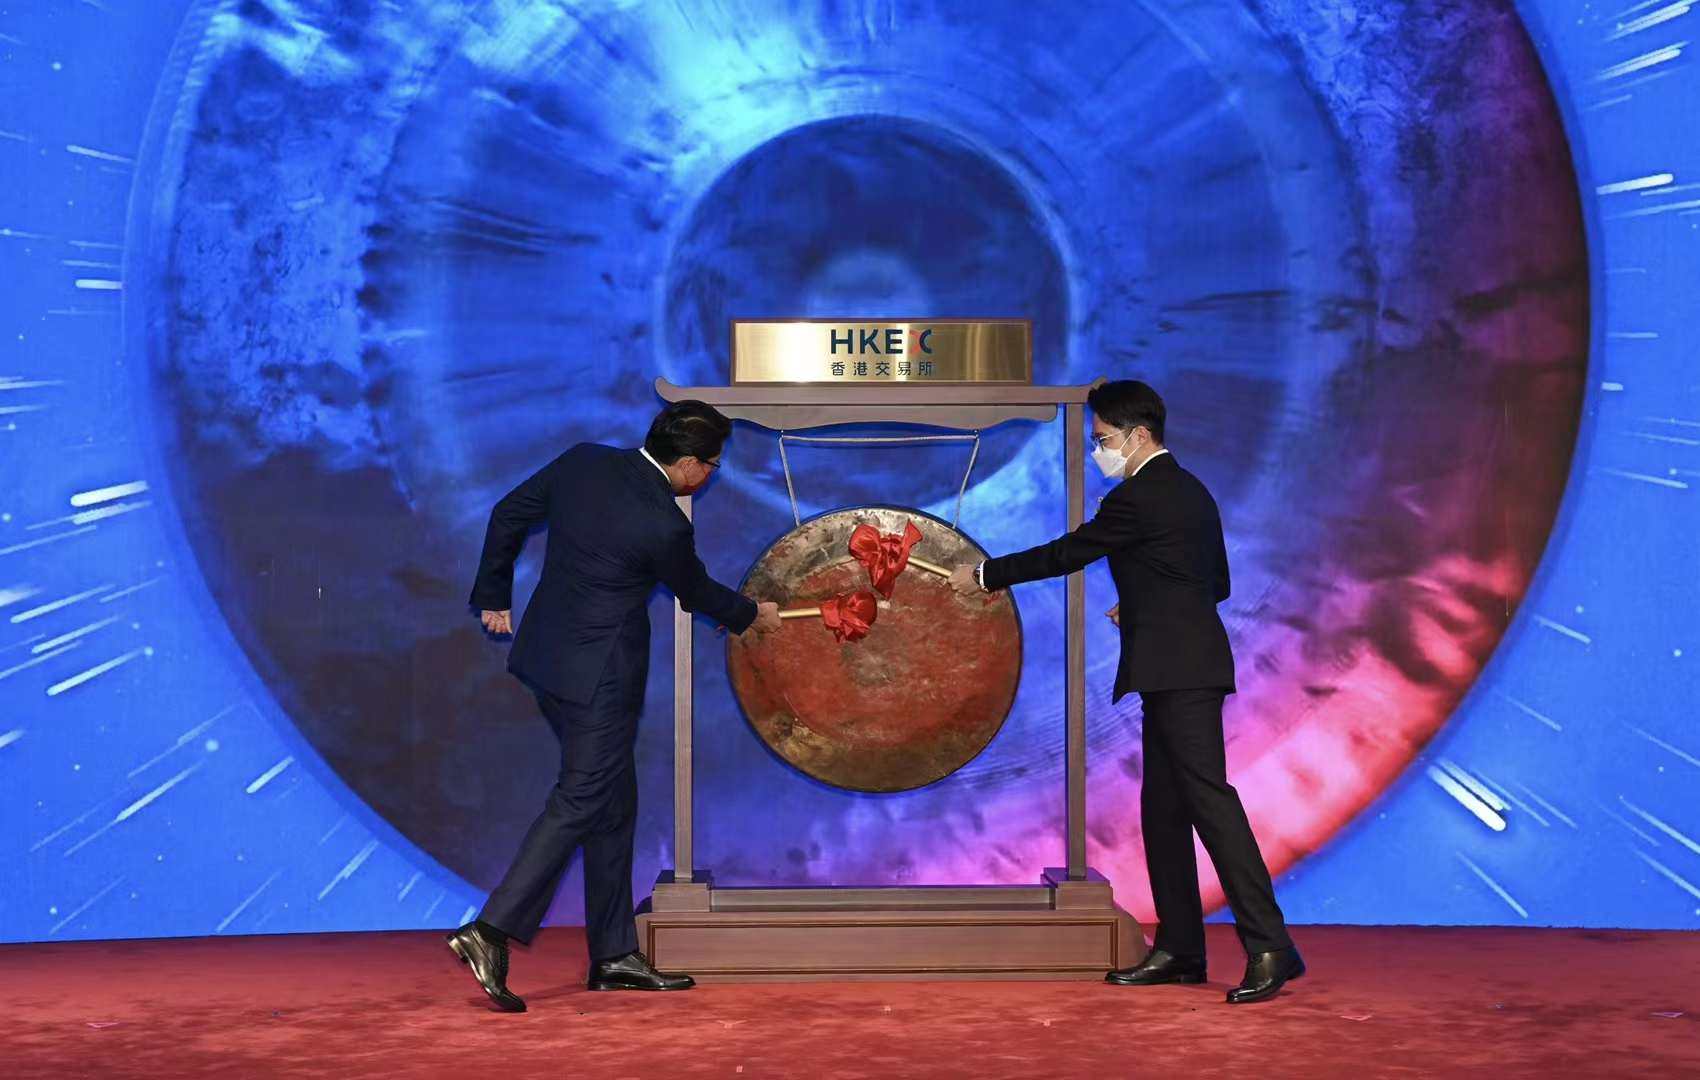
{"points": [[791, 490]]}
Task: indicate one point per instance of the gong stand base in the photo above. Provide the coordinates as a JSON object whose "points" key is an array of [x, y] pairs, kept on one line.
{"points": [[1057, 929]]}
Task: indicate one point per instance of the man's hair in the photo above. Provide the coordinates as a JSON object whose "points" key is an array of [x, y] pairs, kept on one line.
{"points": [[687, 429], [1127, 404]]}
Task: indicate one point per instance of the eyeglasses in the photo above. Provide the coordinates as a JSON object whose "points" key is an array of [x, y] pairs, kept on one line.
{"points": [[1098, 440], [710, 464]]}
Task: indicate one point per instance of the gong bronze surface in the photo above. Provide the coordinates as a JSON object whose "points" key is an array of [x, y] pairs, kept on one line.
{"points": [[911, 703]]}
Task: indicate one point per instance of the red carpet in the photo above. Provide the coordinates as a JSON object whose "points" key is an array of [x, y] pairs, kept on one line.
{"points": [[1378, 1002]]}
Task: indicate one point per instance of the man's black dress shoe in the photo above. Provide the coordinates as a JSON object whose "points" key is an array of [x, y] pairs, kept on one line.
{"points": [[1265, 974], [488, 959], [1157, 968], [633, 971]]}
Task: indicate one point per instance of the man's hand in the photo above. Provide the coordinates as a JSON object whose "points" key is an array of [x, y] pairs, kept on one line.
{"points": [[962, 580], [498, 622], [1115, 614], [767, 618]]}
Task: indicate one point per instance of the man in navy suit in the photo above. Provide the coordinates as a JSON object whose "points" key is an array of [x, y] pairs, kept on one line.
{"points": [[614, 533], [1162, 534]]}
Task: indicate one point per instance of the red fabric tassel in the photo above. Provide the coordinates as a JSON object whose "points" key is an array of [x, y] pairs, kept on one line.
{"points": [[850, 615], [884, 554]]}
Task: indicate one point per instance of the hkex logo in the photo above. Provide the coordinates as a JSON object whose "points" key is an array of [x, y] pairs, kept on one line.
{"points": [[887, 342]]}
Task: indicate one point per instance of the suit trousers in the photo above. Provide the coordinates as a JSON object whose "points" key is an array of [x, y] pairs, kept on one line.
{"points": [[592, 806], [1186, 788]]}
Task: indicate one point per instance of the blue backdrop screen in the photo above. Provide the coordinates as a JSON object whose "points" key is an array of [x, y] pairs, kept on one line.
{"points": [[296, 290]]}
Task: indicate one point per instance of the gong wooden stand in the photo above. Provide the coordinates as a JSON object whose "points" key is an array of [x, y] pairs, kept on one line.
{"points": [[1067, 926]]}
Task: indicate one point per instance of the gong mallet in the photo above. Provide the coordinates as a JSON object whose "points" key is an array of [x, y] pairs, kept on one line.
{"points": [[931, 568], [913, 560], [886, 555], [848, 615]]}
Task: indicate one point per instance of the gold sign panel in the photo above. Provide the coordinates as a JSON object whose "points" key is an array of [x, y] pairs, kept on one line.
{"points": [[883, 351]]}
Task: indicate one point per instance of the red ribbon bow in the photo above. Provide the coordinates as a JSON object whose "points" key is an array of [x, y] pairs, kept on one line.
{"points": [[850, 615], [884, 554]]}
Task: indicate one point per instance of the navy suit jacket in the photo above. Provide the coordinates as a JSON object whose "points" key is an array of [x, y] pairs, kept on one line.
{"points": [[1162, 533], [614, 534]]}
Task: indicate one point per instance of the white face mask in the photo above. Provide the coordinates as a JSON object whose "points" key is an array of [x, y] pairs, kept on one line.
{"points": [[1112, 462]]}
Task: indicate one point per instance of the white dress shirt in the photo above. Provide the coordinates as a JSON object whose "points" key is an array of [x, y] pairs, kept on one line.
{"points": [[657, 465], [1146, 462]]}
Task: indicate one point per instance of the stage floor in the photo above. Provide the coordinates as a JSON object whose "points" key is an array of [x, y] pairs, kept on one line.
{"points": [[1378, 1002]]}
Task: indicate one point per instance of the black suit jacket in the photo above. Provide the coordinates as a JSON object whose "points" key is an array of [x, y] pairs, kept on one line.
{"points": [[614, 534], [1163, 536]]}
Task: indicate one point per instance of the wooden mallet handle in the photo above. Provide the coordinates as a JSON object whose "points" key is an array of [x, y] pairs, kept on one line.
{"points": [[807, 612], [922, 564]]}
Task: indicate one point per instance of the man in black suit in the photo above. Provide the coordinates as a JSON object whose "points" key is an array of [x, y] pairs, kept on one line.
{"points": [[582, 648], [1162, 533]]}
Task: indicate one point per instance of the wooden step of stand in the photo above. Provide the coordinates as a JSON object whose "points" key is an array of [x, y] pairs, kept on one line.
{"points": [[1057, 929]]}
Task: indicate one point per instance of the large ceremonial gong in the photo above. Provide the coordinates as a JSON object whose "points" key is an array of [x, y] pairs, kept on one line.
{"points": [[911, 702]]}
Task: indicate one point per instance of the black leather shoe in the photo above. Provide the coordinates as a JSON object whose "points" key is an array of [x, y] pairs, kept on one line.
{"points": [[633, 971], [488, 959], [1265, 974], [1158, 968]]}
